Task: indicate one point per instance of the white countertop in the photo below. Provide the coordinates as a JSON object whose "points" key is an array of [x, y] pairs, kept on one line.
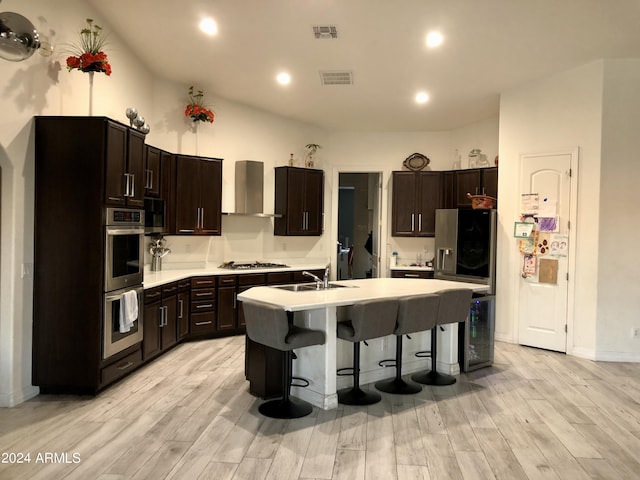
{"points": [[353, 292], [168, 275]]}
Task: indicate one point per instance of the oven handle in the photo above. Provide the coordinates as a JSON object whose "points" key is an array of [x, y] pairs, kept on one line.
{"points": [[120, 293], [125, 231]]}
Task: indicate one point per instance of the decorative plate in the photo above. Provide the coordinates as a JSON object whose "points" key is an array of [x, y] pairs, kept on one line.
{"points": [[416, 162]]}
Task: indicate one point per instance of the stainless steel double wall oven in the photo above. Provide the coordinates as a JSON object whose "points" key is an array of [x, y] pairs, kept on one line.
{"points": [[124, 266]]}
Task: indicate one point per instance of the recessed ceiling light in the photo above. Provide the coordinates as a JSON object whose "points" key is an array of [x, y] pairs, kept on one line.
{"points": [[434, 39], [209, 26], [283, 78], [422, 97]]}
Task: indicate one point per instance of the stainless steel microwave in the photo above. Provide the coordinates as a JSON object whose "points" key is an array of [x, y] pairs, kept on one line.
{"points": [[154, 215]]}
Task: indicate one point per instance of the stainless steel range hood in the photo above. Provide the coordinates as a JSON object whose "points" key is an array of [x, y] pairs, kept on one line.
{"points": [[249, 187]]}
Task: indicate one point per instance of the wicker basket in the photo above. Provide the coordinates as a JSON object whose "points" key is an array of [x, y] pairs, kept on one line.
{"points": [[481, 202]]}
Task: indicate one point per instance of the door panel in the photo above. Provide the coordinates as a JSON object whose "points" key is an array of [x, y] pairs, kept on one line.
{"points": [[543, 306]]}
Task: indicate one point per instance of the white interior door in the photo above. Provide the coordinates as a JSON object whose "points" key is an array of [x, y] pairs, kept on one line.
{"points": [[543, 311]]}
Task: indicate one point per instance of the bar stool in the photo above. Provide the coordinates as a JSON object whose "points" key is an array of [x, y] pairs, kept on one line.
{"points": [[369, 319], [415, 314], [454, 308], [270, 326]]}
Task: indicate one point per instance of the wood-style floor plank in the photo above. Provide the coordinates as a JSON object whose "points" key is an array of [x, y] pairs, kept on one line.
{"points": [[188, 415]]}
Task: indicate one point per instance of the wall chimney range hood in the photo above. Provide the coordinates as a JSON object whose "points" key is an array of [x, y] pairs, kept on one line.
{"points": [[249, 185]]}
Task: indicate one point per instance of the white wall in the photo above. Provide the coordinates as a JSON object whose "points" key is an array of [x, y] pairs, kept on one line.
{"points": [[595, 108], [42, 86], [618, 275]]}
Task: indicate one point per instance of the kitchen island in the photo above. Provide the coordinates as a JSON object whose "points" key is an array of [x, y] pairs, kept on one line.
{"points": [[322, 309]]}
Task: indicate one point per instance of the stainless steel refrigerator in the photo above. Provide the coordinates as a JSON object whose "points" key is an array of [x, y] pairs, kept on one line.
{"points": [[465, 245]]}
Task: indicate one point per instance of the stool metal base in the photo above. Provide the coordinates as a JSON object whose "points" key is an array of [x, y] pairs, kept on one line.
{"points": [[285, 408], [433, 378], [357, 396], [398, 386]]}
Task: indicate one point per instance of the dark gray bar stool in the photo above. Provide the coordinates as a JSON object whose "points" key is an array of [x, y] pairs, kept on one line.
{"points": [[415, 314], [369, 319], [269, 325], [454, 308]]}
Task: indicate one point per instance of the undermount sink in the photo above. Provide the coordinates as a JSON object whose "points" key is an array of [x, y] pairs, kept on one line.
{"points": [[306, 287]]}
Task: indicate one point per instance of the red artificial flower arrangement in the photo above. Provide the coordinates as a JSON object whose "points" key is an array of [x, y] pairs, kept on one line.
{"points": [[195, 108], [89, 56]]}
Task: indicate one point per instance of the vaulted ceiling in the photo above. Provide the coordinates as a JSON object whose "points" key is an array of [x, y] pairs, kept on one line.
{"points": [[490, 46]]}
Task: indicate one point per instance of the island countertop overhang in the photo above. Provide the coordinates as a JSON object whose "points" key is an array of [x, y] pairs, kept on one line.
{"points": [[354, 291]]}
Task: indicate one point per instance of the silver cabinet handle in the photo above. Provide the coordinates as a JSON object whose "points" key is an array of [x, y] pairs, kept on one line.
{"points": [[204, 294], [181, 303], [133, 185], [186, 231], [126, 185], [412, 275], [202, 218], [204, 323], [125, 366], [208, 305], [412, 222], [419, 222], [235, 300], [161, 324]]}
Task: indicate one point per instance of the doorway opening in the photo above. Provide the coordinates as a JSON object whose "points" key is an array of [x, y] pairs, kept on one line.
{"points": [[358, 225]]}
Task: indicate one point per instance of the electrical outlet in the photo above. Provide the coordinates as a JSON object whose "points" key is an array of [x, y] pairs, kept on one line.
{"points": [[635, 332]]}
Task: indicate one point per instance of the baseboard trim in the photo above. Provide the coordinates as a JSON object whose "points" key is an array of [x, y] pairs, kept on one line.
{"points": [[12, 399]]}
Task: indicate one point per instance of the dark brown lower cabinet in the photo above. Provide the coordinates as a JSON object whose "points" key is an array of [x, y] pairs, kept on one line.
{"points": [[160, 321], [184, 304]]}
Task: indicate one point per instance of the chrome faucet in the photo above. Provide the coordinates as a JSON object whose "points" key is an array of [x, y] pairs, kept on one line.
{"points": [[325, 282], [318, 280]]}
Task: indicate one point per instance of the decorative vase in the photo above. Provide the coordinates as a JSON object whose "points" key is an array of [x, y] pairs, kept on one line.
{"points": [[309, 161], [91, 93]]}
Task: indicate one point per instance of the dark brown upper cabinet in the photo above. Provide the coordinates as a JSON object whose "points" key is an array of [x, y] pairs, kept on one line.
{"points": [[299, 199], [477, 181], [124, 176], [415, 198], [198, 199]]}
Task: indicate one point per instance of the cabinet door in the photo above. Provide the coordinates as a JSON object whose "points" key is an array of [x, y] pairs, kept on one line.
{"points": [[211, 197], [182, 315], [467, 181], [169, 329], [313, 200], [447, 190], [151, 320], [296, 213], [403, 204], [187, 194], [135, 169], [226, 297], [116, 160], [490, 181], [152, 172], [428, 201]]}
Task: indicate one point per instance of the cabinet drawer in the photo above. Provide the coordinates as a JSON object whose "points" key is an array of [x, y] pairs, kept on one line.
{"points": [[120, 368], [275, 278], [152, 294], [227, 281], [203, 294], [411, 274], [252, 279], [203, 322], [184, 284], [202, 305], [199, 282], [169, 289]]}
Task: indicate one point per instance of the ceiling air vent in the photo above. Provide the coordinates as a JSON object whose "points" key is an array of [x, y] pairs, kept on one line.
{"points": [[341, 77], [325, 31]]}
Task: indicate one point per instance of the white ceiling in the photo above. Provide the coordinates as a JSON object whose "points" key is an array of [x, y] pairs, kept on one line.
{"points": [[490, 46]]}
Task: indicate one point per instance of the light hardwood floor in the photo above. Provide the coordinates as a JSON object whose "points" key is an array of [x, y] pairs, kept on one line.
{"points": [[533, 415]]}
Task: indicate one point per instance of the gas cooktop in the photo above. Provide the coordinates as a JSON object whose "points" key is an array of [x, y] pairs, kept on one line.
{"points": [[251, 266]]}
